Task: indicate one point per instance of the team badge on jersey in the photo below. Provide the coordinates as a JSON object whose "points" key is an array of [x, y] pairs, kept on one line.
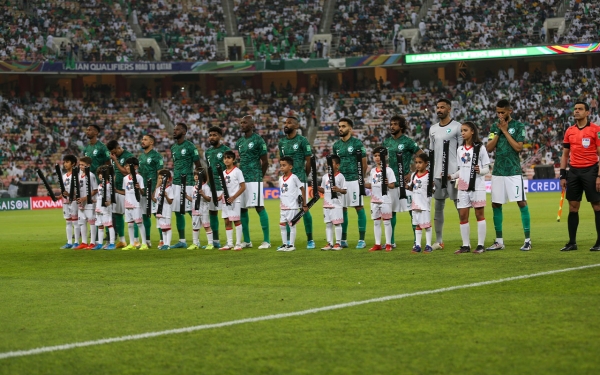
{"points": [[585, 142], [251, 144], [149, 160], [465, 158], [220, 155], [511, 131], [183, 152], [400, 147], [295, 147], [95, 152], [122, 161], [284, 188], [448, 131], [350, 149]]}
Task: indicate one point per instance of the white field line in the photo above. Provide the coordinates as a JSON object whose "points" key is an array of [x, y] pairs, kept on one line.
{"points": [[48, 349]]}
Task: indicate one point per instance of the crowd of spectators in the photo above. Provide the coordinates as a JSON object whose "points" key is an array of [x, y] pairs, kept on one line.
{"points": [[277, 28], [481, 24], [583, 21], [364, 26], [190, 29]]}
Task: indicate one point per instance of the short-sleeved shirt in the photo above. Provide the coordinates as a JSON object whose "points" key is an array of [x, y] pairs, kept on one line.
{"points": [[251, 149], [150, 163], [340, 182], [83, 188], [403, 144], [166, 209], [233, 179], [203, 204], [130, 200], [347, 153], [420, 200], [464, 160], [583, 144], [508, 161], [289, 191], [98, 153], [298, 149], [215, 156], [118, 175], [184, 155], [376, 180], [437, 135]]}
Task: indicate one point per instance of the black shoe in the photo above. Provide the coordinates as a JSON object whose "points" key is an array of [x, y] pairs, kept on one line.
{"points": [[463, 249], [569, 247], [479, 249], [596, 247]]}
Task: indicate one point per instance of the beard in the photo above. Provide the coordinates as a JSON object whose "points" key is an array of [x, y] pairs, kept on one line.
{"points": [[287, 130], [213, 143]]}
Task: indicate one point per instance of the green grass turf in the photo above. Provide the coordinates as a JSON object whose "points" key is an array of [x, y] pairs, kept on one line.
{"points": [[542, 325]]}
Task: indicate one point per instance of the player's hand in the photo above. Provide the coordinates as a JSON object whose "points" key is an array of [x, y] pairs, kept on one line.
{"points": [[305, 208], [107, 204], [597, 184], [477, 169], [64, 194], [502, 124], [230, 200], [220, 197], [114, 157], [137, 186], [563, 184]]}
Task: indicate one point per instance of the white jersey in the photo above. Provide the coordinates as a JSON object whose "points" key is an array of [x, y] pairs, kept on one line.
{"points": [[203, 204], [340, 181], [66, 177], [376, 179], [437, 135], [420, 200], [99, 207], [233, 179], [166, 210], [130, 201], [289, 189], [83, 189], [464, 157]]}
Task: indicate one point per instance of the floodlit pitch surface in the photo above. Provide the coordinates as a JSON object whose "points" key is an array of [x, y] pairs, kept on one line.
{"points": [[539, 324]]}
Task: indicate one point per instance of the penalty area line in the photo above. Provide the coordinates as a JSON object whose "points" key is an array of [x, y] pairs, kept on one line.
{"points": [[82, 344]]}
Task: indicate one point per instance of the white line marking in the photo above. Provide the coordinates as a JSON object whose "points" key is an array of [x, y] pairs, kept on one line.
{"points": [[47, 349]]}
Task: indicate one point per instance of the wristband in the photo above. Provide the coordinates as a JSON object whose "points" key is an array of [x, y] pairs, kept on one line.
{"points": [[563, 174]]}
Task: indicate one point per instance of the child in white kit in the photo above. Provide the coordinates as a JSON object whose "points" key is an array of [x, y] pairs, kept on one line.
{"points": [[333, 211], [163, 218], [86, 212], [236, 185], [70, 210], [133, 210], [292, 197], [381, 205], [421, 203], [200, 217], [104, 211]]}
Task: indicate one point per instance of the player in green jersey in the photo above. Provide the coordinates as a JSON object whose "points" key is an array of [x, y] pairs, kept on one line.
{"points": [[298, 148], [397, 141], [185, 157], [151, 161], [118, 156], [253, 164], [214, 155], [346, 148], [95, 150], [506, 137]]}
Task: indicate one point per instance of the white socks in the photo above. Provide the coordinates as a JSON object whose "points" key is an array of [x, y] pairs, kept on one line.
{"points": [[167, 237], [283, 232], [229, 233], [76, 231], [465, 232], [481, 231], [142, 233], [329, 232], [418, 236], [338, 233], [111, 235], [209, 235], [387, 226], [83, 229], [195, 237], [100, 234], [377, 230], [69, 232], [428, 235]]}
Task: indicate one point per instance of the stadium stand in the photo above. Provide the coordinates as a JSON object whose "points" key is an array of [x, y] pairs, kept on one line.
{"points": [[584, 20]]}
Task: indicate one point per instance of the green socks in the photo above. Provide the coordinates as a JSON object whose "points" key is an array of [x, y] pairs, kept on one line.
{"points": [[498, 220], [214, 225], [119, 224], [308, 225], [362, 223], [245, 219], [393, 221], [147, 225], [345, 226], [180, 220], [526, 220], [264, 223]]}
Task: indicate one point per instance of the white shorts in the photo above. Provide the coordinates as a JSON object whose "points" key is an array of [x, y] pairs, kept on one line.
{"points": [[400, 205], [468, 199], [352, 198], [232, 212], [118, 207], [176, 195], [253, 195], [104, 219], [163, 223], [333, 215], [87, 215], [381, 211], [286, 216], [200, 220], [211, 204], [421, 218], [70, 210], [507, 189], [133, 215], [449, 192]]}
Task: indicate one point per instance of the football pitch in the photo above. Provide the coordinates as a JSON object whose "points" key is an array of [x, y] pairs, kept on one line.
{"points": [[266, 312]]}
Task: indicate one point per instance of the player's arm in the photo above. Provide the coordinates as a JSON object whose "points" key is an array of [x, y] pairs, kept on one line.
{"points": [[598, 176], [207, 198], [239, 192], [169, 200], [304, 207], [369, 185], [118, 165], [564, 159], [391, 180], [264, 164], [492, 139], [364, 165], [307, 165]]}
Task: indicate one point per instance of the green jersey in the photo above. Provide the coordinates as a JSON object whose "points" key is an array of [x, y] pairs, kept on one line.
{"points": [[150, 163], [99, 154], [250, 150], [184, 155], [403, 144], [118, 175], [347, 153], [215, 156], [298, 149], [507, 160]]}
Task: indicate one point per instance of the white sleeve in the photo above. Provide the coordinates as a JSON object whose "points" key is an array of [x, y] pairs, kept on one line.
{"points": [[240, 176], [93, 181], [391, 177], [140, 181], [342, 182]]}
